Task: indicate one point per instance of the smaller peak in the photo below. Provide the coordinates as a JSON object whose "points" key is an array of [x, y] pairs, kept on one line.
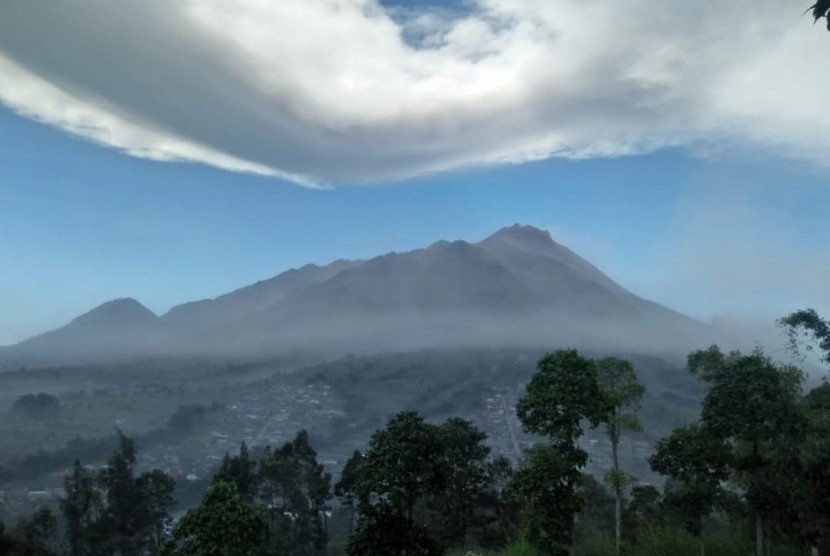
{"points": [[457, 246], [121, 309], [121, 303], [522, 233]]}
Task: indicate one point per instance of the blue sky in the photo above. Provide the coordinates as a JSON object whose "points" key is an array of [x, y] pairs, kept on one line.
{"points": [[709, 219]]}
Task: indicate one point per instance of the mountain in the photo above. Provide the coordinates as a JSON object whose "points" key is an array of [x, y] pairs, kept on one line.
{"points": [[114, 329], [517, 287]]}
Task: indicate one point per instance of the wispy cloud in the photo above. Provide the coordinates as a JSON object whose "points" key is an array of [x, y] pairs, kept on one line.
{"points": [[346, 91]]}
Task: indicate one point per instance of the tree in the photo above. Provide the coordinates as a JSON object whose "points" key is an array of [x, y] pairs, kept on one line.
{"points": [[596, 517], [40, 530], [118, 519], [239, 469], [224, 524], [813, 496], [806, 324], [346, 489], [464, 478], [79, 507], [16, 545], [753, 404], [156, 498], [127, 522], [549, 483], [400, 469], [563, 393], [499, 505], [644, 507], [116, 512], [296, 490], [700, 462], [623, 392], [820, 9]]}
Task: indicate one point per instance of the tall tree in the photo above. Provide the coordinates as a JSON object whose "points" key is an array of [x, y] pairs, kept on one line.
{"points": [[240, 469], [465, 478], [400, 469], [119, 519], [296, 489], [549, 483], [563, 393], [79, 507], [346, 489], [623, 392], [699, 462], [40, 530], [155, 490], [752, 403], [116, 512], [813, 496]]}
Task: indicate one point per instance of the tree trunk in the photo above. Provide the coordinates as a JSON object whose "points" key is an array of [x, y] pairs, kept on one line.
{"points": [[700, 533], [814, 551], [618, 520], [759, 535], [615, 441]]}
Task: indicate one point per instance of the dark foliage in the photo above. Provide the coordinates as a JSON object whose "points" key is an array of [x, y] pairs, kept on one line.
{"points": [[41, 406]]}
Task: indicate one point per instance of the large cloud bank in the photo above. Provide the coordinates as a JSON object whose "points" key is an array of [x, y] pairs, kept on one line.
{"points": [[349, 91]]}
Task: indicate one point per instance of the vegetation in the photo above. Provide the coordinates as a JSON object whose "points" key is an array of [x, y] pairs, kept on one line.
{"points": [[41, 406], [819, 10], [753, 473], [619, 384]]}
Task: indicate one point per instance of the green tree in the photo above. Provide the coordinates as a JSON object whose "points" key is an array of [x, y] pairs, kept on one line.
{"points": [[806, 324], [623, 392], [699, 462], [346, 489], [498, 508], [753, 403], [224, 524], [813, 496], [596, 517], [564, 392], [549, 484], [820, 10], [400, 469], [240, 469], [39, 530], [119, 521], [135, 509], [296, 489], [116, 512], [642, 508], [79, 507], [464, 479], [156, 498]]}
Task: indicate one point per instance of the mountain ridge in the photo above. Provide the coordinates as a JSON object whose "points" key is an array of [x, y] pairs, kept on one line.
{"points": [[517, 285]]}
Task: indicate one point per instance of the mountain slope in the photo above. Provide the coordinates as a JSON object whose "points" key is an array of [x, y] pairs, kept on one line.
{"points": [[516, 287]]}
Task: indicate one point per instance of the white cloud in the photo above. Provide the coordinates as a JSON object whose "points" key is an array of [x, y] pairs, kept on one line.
{"points": [[346, 91]]}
